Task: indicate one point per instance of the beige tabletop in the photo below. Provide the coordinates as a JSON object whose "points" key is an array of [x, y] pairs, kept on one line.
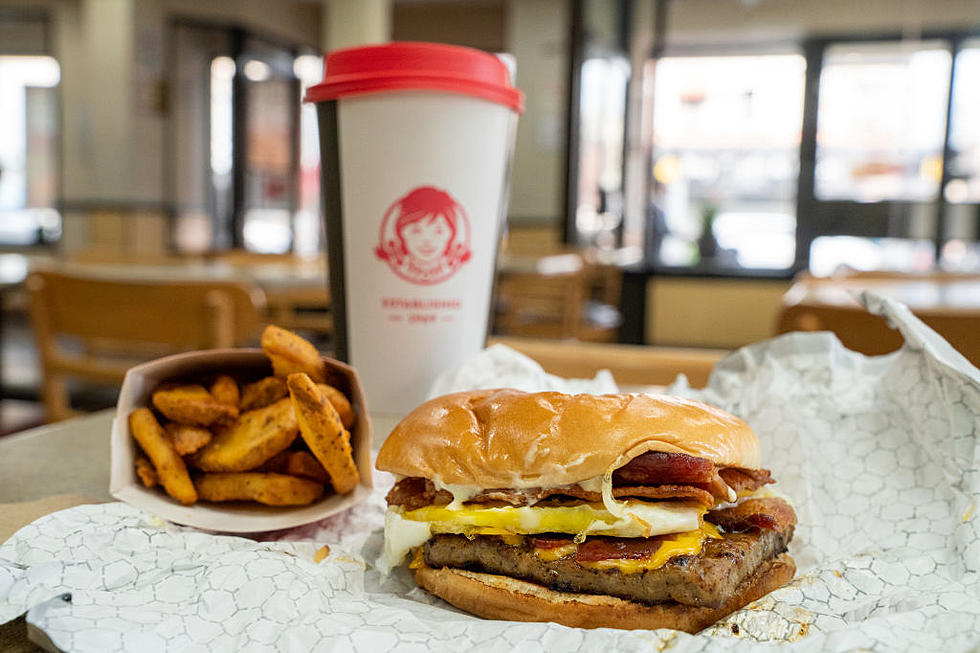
{"points": [[72, 458], [66, 457], [66, 464]]}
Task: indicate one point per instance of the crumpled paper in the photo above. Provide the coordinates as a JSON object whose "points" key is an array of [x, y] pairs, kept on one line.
{"points": [[881, 457], [498, 366]]}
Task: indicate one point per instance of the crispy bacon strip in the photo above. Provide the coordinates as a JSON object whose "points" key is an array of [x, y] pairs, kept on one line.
{"points": [[746, 480], [771, 513], [513, 497], [413, 493], [643, 491], [661, 468], [550, 542], [595, 549]]}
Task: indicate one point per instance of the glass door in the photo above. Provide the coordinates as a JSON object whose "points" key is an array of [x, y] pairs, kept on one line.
{"points": [[890, 125], [961, 191], [235, 162], [726, 138], [270, 139]]}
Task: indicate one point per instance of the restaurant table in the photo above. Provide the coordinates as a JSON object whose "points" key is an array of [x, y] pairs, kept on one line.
{"points": [[72, 457], [66, 464], [60, 466]]}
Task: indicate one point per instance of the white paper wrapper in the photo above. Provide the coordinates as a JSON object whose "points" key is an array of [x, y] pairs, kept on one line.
{"points": [[500, 366], [880, 456]]}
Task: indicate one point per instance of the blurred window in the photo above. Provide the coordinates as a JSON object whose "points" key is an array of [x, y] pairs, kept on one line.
{"points": [[881, 198], [726, 137], [260, 187], [29, 150], [962, 191], [271, 108], [308, 231], [599, 49], [881, 121], [200, 112], [599, 210], [964, 136], [830, 254]]}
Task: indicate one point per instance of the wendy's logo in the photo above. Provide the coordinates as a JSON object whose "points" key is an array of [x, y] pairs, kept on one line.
{"points": [[425, 236]]}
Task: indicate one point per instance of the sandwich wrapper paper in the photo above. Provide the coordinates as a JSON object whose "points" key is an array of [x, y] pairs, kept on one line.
{"points": [[881, 457]]}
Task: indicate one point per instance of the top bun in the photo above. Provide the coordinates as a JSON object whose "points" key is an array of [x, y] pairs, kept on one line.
{"points": [[514, 439]]}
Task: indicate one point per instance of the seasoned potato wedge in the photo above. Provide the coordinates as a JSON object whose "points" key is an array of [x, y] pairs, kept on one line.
{"points": [[290, 353], [187, 438], [340, 403], [262, 393], [169, 466], [146, 472], [270, 489], [296, 463], [303, 464], [225, 390], [277, 463], [192, 404], [254, 438], [324, 433]]}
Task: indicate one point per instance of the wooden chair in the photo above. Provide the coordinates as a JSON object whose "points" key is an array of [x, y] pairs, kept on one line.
{"points": [[540, 305], [948, 302], [116, 256], [631, 365], [559, 296], [115, 323], [296, 308], [300, 309], [601, 318]]}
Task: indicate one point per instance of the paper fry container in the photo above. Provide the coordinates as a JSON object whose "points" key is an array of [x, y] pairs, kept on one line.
{"points": [[236, 517]]}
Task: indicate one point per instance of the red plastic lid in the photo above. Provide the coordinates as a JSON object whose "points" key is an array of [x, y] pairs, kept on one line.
{"points": [[411, 66]]}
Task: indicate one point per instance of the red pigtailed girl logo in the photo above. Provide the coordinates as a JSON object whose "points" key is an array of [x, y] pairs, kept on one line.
{"points": [[425, 236]]}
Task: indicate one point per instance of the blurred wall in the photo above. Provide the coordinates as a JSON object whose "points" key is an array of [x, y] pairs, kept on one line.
{"points": [[537, 36], [113, 62], [737, 21], [475, 24], [722, 313]]}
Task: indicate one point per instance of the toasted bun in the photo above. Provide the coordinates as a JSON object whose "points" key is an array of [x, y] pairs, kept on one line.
{"points": [[502, 597], [508, 438]]}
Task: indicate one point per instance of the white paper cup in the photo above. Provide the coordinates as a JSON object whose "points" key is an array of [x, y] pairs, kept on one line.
{"points": [[415, 142]]}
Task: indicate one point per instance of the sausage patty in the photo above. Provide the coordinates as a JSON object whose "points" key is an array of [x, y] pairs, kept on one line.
{"points": [[706, 579]]}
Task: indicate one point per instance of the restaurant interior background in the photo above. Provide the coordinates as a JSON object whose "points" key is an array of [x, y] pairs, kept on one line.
{"points": [[689, 174]]}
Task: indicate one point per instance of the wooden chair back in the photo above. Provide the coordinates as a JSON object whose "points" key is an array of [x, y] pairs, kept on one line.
{"points": [[115, 323], [298, 308], [540, 305], [949, 303], [631, 365], [561, 296]]}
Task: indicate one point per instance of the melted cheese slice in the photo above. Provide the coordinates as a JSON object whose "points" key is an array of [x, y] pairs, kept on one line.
{"points": [[406, 530], [550, 555], [689, 543]]}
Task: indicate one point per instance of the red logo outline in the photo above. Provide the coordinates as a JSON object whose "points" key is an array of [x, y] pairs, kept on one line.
{"points": [[424, 236]]}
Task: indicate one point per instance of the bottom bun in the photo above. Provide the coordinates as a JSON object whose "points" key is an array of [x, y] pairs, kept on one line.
{"points": [[501, 597]]}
